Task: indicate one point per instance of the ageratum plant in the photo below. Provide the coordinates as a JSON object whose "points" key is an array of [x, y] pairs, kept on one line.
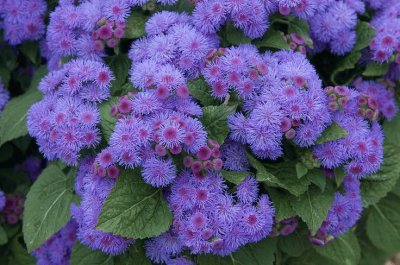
{"points": [[187, 132]]}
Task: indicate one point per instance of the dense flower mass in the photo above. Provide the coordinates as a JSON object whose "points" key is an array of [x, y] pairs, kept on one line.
{"points": [[65, 121], [57, 249], [85, 30], [22, 20], [386, 44], [282, 97], [334, 25], [344, 213], [223, 107], [208, 219], [361, 151], [249, 15], [94, 190], [175, 47]]}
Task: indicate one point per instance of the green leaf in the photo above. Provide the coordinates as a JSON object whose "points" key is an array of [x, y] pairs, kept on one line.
{"points": [[13, 118], [301, 27], [343, 250], [4, 75], [200, 90], [370, 255], [19, 254], [215, 120], [380, 184], [301, 170], [295, 244], [279, 175], [332, 133], [383, 224], [286, 177], [313, 206], [31, 50], [262, 172], [215, 260], [134, 209], [8, 57], [281, 200], [136, 254], [365, 33], [344, 65], [47, 206], [135, 26], [235, 36], [119, 64], [108, 122], [180, 6], [311, 257], [376, 69], [317, 177], [260, 253], [235, 177], [82, 255], [272, 39], [3, 236], [339, 176]]}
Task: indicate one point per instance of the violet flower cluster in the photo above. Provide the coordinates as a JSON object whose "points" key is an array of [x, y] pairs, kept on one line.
{"points": [[375, 100], [22, 20], [162, 119], [385, 46], [208, 219], [94, 190], [282, 97], [251, 16], [361, 151], [85, 30], [13, 208], [333, 25], [57, 249], [344, 213], [65, 121], [173, 46]]}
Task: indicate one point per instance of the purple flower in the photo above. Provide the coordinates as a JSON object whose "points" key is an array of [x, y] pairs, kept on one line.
{"points": [[58, 248], [65, 121], [247, 191], [22, 20], [158, 172], [94, 191], [208, 220], [4, 96], [2, 200]]}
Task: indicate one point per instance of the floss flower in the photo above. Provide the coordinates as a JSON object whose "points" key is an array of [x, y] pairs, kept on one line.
{"points": [[207, 219], [58, 248], [249, 15], [65, 121], [94, 190], [282, 97], [344, 213], [361, 151], [4, 96], [22, 20]]}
